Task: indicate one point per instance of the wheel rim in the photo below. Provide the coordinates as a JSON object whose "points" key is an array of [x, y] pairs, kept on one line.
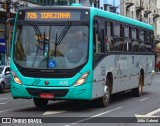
{"points": [[106, 95]]}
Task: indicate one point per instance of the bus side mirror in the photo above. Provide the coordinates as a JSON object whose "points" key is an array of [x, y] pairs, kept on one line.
{"points": [[6, 32]]}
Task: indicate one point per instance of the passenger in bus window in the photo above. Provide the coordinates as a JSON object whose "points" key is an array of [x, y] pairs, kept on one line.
{"points": [[109, 44]]}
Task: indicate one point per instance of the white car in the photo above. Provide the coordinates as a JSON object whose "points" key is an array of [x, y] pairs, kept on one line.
{"points": [[4, 78]]}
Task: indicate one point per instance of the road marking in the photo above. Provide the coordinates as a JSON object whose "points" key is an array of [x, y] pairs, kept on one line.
{"points": [[52, 112], [107, 112], [3, 103], [16, 108], [143, 99], [3, 98], [80, 121], [151, 114]]}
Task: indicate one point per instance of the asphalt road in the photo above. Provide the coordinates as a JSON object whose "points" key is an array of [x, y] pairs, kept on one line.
{"points": [[124, 110]]}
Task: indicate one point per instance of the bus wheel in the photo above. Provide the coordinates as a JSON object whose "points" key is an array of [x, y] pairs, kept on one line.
{"points": [[138, 91], [104, 101], [2, 87], [39, 102]]}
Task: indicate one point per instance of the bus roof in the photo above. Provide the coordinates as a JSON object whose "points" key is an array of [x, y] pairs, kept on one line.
{"points": [[121, 18], [56, 7], [98, 12]]}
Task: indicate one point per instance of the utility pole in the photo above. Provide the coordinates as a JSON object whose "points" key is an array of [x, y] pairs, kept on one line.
{"points": [[140, 11], [8, 42]]}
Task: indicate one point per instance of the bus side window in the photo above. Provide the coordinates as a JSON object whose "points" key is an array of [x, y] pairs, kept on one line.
{"points": [[121, 48], [109, 38], [148, 41], [142, 47], [127, 40], [98, 39], [118, 44], [134, 35]]}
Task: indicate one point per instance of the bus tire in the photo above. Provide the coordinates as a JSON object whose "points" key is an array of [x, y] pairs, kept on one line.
{"points": [[2, 87], [138, 91], [104, 101], [40, 103]]}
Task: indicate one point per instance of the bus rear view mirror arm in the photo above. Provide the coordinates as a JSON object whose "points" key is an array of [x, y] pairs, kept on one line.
{"points": [[6, 27]]}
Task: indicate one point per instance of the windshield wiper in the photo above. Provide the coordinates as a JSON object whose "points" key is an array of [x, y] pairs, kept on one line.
{"points": [[59, 39], [37, 31], [56, 43], [39, 40], [63, 33], [44, 42]]}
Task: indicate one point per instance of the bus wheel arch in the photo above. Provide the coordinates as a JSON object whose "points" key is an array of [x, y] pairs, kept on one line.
{"points": [[109, 81], [141, 77], [105, 99]]}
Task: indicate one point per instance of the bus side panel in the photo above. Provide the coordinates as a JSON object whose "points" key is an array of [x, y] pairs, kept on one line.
{"points": [[108, 64], [148, 77], [125, 70]]}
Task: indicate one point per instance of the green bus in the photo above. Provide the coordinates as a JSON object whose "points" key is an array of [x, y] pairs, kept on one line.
{"points": [[79, 53]]}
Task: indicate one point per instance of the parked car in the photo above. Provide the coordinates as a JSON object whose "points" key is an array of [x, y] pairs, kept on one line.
{"points": [[4, 78]]}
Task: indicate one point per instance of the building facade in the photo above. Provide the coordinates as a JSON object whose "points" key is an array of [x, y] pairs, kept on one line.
{"points": [[110, 5], [59, 2], [147, 11], [3, 17]]}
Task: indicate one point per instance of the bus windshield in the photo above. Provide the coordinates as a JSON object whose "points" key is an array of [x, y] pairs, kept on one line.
{"points": [[50, 46]]}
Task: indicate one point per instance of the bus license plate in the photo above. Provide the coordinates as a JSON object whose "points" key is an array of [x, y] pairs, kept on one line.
{"points": [[45, 95]]}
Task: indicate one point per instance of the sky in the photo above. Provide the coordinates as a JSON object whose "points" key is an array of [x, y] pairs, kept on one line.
{"points": [[111, 2]]}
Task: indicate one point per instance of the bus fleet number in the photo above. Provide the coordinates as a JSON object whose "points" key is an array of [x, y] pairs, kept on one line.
{"points": [[63, 82]]}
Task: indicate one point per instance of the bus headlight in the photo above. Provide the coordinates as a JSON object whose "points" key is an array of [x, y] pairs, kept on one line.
{"points": [[82, 79], [15, 77]]}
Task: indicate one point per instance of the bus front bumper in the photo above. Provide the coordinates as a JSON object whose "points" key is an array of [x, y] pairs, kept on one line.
{"points": [[83, 92]]}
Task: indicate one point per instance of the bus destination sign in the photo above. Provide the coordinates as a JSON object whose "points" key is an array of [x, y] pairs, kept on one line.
{"points": [[52, 16]]}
